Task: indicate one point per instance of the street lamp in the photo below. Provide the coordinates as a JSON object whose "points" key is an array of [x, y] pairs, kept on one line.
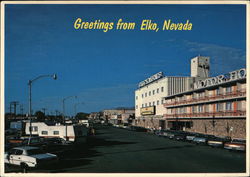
{"points": [[64, 105], [54, 76], [66, 131]]}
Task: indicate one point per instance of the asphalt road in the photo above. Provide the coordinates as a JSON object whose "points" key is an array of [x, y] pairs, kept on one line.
{"points": [[115, 150]]}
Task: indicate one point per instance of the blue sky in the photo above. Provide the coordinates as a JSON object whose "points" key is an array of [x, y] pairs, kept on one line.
{"points": [[103, 69]]}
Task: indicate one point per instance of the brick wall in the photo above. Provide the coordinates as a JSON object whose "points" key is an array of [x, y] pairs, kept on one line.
{"points": [[236, 128]]}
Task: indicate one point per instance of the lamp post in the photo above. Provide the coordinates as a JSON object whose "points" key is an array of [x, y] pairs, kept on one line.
{"points": [[63, 101], [54, 76]]}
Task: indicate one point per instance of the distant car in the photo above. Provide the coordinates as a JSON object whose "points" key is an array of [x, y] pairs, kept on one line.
{"points": [[236, 144], [163, 134], [28, 156], [218, 141], [138, 129], [190, 136], [180, 136], [202, 139], [170, 135]]}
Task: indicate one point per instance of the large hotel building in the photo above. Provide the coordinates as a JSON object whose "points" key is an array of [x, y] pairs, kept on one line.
{"points": [[199, 103]]}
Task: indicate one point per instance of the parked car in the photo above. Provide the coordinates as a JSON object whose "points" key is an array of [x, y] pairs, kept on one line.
{"points": [[170, 135], [190, 136], [202, 139], [236, 144], [180, 136], [57, 145], [218, 141], [15, 141], [28, 157], [138, 129], [34, 141], [163, 134]]}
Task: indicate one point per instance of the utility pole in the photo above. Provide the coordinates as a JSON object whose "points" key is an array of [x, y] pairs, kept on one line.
{"points": [[21, 109], [14, 103]]}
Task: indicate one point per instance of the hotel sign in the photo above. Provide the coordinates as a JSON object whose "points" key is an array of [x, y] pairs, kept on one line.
{"points": [[151, 79], [148, 111], [234, 75]]}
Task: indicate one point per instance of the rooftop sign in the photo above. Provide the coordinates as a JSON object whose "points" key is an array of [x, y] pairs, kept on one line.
{"points": [[151, 79], [234, 75]]}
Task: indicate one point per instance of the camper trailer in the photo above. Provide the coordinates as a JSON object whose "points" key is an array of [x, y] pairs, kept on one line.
{"points": [[74, 133]]}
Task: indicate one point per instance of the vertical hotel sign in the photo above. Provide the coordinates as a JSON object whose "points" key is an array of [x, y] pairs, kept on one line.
{"points": [[148, 111]]}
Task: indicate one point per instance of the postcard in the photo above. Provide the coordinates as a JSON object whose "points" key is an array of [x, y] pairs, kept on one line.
{"points": [[93, 88]]}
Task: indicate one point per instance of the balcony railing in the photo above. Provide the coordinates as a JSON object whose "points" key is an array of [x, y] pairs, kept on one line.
{"points": [[234, 94], [237, 113]]}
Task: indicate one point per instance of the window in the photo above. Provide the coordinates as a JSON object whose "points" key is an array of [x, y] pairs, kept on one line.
{"points": [[153, 103], [145, 104], [158, 102], [44, 132], [145, 94], [157, 91], [19, 152], [142, 105], [12, 151], [162, 101], [193, 109], [153, 92], [217, 91], [228, 89], [149, 103], [142, 95], [228, 106], [136, 97], [200, 108], [149, 93], [162, 89], [217, 106], [56, 132], [34, 128]]}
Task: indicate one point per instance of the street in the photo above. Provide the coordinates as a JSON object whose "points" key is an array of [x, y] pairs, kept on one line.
{"points": [[115, 150]]}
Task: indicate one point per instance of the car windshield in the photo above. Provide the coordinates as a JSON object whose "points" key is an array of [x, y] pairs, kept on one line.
{"points": [[34, 151]]}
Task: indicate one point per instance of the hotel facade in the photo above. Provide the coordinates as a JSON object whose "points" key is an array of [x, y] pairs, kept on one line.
{"points": [[199, 103], [215, 106], [151, 93]]}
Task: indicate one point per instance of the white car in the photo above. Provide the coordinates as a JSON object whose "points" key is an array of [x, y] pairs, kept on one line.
{"points": [[28, 156]]}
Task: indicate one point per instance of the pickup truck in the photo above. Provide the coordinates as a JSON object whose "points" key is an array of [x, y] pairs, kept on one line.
{"points": [[28, 156]]}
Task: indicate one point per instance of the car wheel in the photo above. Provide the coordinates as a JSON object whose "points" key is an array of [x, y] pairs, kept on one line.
{"points": [[24, 167]]}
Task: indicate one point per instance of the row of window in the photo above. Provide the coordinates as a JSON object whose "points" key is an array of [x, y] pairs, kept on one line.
{"points": [[153, 92], [201, 108], [201, 94], [151, 104], [46, 132], [35, 129]]}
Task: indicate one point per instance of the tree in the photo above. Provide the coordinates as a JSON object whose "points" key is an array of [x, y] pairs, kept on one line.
{"points": [[82, 116], [40, 116]]}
